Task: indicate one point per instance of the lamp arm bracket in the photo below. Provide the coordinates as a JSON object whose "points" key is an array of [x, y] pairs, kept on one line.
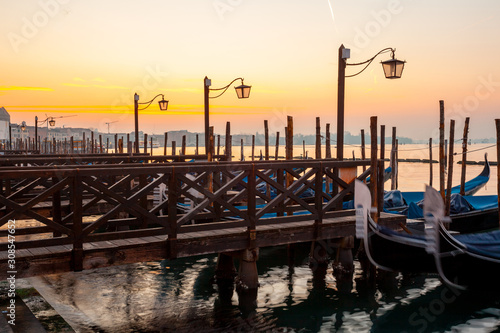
{"points": [[372, 58], [149, 103], [225, 88], [369, 61]]}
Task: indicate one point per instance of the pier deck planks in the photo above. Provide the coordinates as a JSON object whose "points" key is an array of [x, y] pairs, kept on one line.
{"points": [[57, 259]]}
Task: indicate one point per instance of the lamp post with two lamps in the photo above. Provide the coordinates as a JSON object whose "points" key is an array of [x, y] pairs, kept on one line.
{"points": [[242, 91], [163, 107], [393, 68], [49, 121]]}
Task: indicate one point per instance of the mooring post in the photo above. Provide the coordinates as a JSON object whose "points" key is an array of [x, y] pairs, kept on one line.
{"points": [[430, 162], [228, 141], [328, 143], [218, 145], [318, 139], [276, 152], [373, 164], [242, 157], [165, 143], [266, 140], [450, 167], [442, 160], [145, 143], [497, 122], [464, 155], [116, 143], [394, 161], [183, 147], [363, 154]]}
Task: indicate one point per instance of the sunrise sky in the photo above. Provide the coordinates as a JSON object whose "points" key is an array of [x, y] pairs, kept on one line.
{"points": [[88, 58]]}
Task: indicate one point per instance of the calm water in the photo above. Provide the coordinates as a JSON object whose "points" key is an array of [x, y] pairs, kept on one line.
{"points": [[181, 295]]}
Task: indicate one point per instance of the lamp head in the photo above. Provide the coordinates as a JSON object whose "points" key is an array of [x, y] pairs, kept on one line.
{"points": [[52, 122], [243, 91], [163, 104], [393, 68]]}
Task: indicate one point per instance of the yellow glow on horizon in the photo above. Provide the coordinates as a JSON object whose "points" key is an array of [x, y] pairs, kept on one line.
{"points": [[15, 88]]}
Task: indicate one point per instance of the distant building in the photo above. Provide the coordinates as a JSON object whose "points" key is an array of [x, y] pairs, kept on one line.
{"points": [[4, 124]]}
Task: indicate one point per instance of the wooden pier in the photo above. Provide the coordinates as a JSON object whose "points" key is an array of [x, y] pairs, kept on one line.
{"points": [[199, 208]]}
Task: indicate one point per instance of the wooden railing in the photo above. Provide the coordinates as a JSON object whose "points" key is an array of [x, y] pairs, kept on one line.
{"points": [[189, 197]]}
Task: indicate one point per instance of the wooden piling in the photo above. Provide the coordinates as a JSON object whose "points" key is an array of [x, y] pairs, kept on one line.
{"points": [[318, 139], [441, 149], [197, 144], [382, 142], [328, 143], [464, 155], [100, 144], [151, 145], [266, 140], [228, 141], [373, 164], [430, 162], [363, 152], [304, 149], [173, 148], [84, 148], [394, 161], [183, 147], [145, 143], [218, 144], [210, 153], [165, 141], [450, 167], [277, 146], [289, 147], [92, 147], [242, 158]]}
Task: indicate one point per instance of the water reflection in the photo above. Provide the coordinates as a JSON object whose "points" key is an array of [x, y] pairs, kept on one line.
{"points": [[182, 296]]}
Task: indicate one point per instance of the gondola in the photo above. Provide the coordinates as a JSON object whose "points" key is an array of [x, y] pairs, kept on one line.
{"points": [[396, 201], [386, 248], [468, 261]]}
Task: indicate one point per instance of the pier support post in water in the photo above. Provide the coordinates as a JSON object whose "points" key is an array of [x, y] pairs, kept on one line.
{"points": [[248, 277], [344, 264], [225, 270]]}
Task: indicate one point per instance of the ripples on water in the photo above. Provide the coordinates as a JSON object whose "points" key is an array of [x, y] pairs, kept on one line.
{"points": [[181, 296]]}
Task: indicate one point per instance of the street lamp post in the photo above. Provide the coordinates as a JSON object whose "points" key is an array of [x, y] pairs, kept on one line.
{"points": [[393, 69], [163, 106], [242, 91]]}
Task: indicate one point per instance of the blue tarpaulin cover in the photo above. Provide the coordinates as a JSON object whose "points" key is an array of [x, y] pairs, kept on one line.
{"points": [[483, 201], [486, 243]]}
